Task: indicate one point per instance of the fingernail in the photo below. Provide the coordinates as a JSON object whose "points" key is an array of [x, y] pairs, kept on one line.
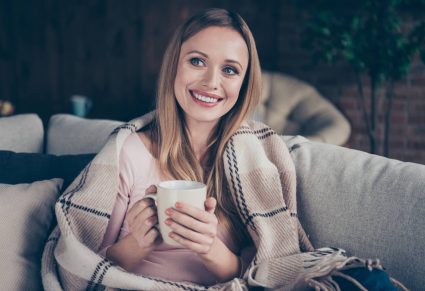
{"points": [[168, 221], [179, 205], [168, 211]]}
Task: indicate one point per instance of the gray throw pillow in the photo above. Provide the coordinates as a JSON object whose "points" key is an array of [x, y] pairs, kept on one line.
{"points": [[26, 215], [22, 133], [69, 135]]}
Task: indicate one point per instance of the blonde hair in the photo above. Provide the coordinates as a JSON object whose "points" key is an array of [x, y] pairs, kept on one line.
{"points": [[169, 133]]}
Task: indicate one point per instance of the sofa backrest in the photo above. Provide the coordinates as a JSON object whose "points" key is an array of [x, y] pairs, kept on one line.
{"points": [[371, 206], [70, 134], [22, 133]]}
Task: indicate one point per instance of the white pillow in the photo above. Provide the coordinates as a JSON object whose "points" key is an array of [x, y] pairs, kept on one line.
{"points": [[70, 135], [26, 215], [22, 133]]}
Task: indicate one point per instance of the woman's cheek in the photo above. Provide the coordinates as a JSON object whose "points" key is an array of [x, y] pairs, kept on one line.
{"points": [[234, 89]]}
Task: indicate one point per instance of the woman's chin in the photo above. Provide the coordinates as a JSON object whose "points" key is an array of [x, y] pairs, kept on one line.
{"points": [[203, 119]]}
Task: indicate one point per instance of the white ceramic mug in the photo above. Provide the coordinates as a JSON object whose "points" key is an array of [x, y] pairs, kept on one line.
{"points": [[170, 192]]}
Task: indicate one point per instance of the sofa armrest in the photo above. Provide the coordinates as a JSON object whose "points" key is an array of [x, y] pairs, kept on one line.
{"points": [[371, 206]]}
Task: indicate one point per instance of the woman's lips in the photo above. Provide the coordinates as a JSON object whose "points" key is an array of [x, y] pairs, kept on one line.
{"points": [[205, 99], [206, 94]]}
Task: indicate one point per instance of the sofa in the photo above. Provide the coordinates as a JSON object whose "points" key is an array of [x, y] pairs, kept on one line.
{"points": [[371, 206]]}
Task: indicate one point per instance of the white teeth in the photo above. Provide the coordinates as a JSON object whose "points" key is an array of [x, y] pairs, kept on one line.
{"points": [[205, 99]]}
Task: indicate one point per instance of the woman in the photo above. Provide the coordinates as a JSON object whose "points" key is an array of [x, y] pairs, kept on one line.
{"points": [[203, 97], [209, 84]]}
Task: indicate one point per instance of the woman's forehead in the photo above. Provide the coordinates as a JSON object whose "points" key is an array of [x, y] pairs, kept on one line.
{"points": [[220, 42]]}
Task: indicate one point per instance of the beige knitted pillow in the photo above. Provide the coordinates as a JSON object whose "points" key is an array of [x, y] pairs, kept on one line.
{"points": [[26, 215]]}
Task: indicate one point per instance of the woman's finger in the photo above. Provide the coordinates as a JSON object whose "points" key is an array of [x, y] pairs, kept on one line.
{"points": [[151, 189], [152, 235], [192, 223], [138, 207], [188, 233], [145, 214], [195, 212], [141, 229], [198, 248], [210, 205]]}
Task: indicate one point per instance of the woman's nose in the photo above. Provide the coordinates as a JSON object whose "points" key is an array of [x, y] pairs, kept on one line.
{"points": [[211, 79]]}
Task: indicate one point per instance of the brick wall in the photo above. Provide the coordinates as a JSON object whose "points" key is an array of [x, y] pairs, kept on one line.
{"points": [[338, 84]]}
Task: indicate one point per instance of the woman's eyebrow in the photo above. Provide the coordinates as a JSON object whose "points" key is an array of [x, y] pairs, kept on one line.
{"points": [[234, 62], [197, 52], [206, 56]]}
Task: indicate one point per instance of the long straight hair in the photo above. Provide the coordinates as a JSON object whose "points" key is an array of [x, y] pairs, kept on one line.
{"points": [[169, 133]]}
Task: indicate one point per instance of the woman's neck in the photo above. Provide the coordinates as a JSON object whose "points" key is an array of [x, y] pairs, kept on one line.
{"points": [[199, 138]]}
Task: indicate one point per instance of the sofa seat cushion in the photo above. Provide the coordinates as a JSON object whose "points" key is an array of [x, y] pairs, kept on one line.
{"points": [[22, 133], [69, 134], [371, 206], [26, 216]]}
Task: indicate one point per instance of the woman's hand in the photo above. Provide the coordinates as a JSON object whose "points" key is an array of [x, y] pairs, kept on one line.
{"points": [[142, 238], [140, 222], [194, 228]]}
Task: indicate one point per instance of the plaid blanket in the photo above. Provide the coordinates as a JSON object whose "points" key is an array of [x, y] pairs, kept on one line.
{"points": [[262, 180]]}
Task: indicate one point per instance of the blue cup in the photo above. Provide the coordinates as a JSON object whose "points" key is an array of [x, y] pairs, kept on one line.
{"points": [[81, 105]]}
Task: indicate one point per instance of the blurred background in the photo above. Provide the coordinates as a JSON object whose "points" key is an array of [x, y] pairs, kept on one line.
{"points": [[110, 51]]}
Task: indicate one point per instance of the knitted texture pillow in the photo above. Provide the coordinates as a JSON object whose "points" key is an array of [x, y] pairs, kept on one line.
{"points": [[26, 216]]}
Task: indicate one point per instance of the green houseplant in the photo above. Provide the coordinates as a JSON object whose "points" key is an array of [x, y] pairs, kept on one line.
{"points": [[378, 38]]}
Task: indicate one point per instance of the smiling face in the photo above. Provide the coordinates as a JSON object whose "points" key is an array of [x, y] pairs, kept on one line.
{"points": [[210, 72]]}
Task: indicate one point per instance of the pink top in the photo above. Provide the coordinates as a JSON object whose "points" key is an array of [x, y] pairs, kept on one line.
{"points": [[138, 170]]}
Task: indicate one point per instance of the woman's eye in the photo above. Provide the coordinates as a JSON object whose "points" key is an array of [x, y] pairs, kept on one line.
{"points": [[230, 71], [196, 62]]}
